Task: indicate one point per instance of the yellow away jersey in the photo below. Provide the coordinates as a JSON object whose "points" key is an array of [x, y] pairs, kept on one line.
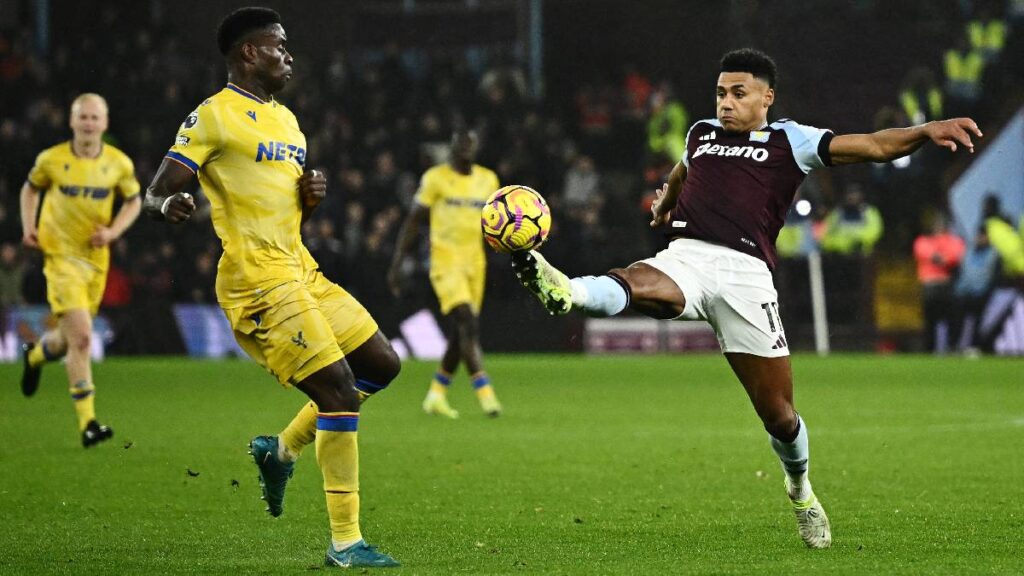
{"points": [[79, 198], [455, 200], [248, 155]]}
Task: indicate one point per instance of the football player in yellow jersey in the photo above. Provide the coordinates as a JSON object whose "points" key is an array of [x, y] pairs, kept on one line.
{"points": [[249, 156], [451, 196], [80, 179]]}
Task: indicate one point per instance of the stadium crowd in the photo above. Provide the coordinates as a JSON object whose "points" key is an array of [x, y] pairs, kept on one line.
{"points": [[377, 119]]}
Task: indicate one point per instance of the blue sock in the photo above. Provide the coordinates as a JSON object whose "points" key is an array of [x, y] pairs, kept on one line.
{"points": [[599, 296]]}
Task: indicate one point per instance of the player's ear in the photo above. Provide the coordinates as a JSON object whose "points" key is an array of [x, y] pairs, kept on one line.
{"points": [[769, 97], [247, 52]]}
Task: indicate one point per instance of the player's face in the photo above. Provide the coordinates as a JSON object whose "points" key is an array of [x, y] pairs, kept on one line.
{"points": [[743, 101], [464, 146], [273, 62], [89, 119]]}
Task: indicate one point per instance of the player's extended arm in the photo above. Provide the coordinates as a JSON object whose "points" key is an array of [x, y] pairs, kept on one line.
{"points": [[29, 209], [665, 199], [406, 238], [886, 145], [164, 197]]}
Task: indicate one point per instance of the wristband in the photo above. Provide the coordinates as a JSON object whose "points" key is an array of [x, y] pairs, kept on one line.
{"points": [[167, 201]]}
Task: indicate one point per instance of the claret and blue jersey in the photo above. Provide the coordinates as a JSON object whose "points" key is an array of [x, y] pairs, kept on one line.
{"points": [[739, 186]]}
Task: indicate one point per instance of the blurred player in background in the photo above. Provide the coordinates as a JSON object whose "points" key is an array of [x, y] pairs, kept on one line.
{"points": [[722, 209], [250, 155], [451, 196], [81, 178]]}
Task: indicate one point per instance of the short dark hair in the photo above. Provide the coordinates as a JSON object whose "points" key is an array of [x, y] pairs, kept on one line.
{"points": [[242, 21], [759, 64]]}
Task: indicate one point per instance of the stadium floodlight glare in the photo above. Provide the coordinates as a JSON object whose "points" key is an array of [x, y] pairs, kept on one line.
{"points": [[803, 207]]}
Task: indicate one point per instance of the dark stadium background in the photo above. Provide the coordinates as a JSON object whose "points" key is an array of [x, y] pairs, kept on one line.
{"points": [[380, 84]]}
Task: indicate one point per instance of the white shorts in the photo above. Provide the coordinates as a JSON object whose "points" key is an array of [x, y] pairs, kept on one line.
{"points": [[731, 290]]}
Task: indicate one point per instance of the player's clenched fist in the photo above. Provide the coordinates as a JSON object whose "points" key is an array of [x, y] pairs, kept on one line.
{"points": [[178, 207], [312, 188]]}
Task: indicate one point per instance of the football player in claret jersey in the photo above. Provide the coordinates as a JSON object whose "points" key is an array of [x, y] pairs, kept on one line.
{"points": [[80, 178], [250, 158], [722, 209], [451, 195]]}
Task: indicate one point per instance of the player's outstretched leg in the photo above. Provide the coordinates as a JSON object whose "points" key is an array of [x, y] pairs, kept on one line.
{"points": [[547, 283], [275, 470]]}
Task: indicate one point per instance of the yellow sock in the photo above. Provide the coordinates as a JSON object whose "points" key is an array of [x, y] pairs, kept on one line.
{"points": [[337, 453], [485, 392], [439, 384], [36, 356], [482, 384], [301, 431], [84, 395]]}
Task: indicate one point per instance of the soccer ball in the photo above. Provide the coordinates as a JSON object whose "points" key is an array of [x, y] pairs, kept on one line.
{"points": [[515, 218]]}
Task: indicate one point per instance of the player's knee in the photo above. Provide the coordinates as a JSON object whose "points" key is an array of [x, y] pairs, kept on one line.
{"points": [[781, 423], [79, 341], [390, 366]]}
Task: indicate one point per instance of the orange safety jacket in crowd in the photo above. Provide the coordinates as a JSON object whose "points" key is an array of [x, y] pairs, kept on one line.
{"points": [[949, 250]]}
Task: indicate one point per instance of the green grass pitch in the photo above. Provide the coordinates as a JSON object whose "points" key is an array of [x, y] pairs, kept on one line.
{"points": [[608, 465]]}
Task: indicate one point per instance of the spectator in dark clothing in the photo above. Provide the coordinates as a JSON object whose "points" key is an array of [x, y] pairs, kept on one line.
{"points": [[978, 272]]}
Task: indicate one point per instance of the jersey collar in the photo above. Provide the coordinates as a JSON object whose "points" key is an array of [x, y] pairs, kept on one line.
{"points": [[234, 87]]}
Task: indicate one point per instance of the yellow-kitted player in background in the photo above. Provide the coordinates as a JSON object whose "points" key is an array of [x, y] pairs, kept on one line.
{"points": [[451, 196], [80, 179]]}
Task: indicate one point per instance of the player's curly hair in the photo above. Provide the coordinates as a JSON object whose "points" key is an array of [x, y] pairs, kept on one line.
{"points": [[759, 64], [242, 21]]}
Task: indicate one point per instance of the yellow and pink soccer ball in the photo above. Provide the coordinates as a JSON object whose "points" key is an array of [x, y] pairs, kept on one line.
{"points": [[515, 218]]}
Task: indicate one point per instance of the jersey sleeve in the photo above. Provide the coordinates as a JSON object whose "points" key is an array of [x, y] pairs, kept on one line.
{"points": [[198, 139], [128, 184], [38, 177], [686, 148], [809, 144], [495, 183], [429, 191]]}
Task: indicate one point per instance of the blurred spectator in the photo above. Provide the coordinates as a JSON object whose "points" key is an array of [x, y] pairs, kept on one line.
{"points": [[921, 98], [327, 249], [199, 285], [964, 66], [938, 256], [116, 305], [581, 184], [1006, 241], [796, 238], [978, 272], [637, 89], [987, 33], [12, 272], [666, 130], [854, 227]]}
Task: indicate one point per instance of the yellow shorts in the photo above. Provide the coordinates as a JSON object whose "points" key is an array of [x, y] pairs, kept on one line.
{"points": [[298, 328], [73, 284], [455, 286]]}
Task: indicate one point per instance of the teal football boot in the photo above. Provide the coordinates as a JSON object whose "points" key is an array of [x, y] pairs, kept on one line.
{"points": [[274, 473], [359, 555]]}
